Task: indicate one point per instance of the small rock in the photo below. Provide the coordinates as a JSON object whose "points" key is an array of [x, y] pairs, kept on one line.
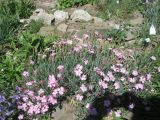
{"points": [[111, 25], [47, 30], [130, 36], [46, 4], [98, 22], [40, 14], [62, 27], [129, 116], [137, 18], [22, 20], [81, 15], [66, 113], [60, 16]]}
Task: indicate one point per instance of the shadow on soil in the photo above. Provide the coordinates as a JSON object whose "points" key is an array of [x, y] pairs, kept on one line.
{"points": [[144, 108]]}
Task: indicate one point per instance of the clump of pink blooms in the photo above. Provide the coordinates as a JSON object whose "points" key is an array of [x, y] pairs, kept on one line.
{"points": [[118, 76], [35, 102]]}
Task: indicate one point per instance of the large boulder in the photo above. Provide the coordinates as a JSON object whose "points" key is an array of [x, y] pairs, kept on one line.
{"points": [[41, 14], [81, 15], [60, 16]]}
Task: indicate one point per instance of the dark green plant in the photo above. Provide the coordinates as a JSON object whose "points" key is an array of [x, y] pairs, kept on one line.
{"points": [[117, 35], [15, 60], [10, 13], [69, 3]]}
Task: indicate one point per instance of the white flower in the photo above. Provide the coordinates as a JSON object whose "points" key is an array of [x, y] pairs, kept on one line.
{"points": [[152, 30], [117, 1], [147, 40]]}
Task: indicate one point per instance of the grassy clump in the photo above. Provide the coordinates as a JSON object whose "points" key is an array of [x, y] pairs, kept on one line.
{"points": [[110, 8], [11, 11]]}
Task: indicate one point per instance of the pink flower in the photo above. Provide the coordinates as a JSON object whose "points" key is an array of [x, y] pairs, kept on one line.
{"points": [[31, 110], [44, 99], [59, 76], [40, 92], [153, 58], [115, 69], [132, 80], [52, 82], [86, 36], [60, 68], [20, 117], [99, 71], [25, 98], [103, 85], [30, 83], [83, 77], [106, 78], [149, 76], [131, 106], [90, 87], [69, 42], [85, 62], [25, 74], [55, 93], [61, 90], [135, 72], [96, 33], [52, 100], [24, 107], [139, 86], [142, 79], [83, 88], [116, 85], [123, 70], [44, 108], [37, 109], [79, 97], [29, 92], [110, 75], [118, 113], [91, 50], [77, 48], [78, 70]]}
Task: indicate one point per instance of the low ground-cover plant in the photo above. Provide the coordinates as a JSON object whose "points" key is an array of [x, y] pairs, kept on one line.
{"points": [[90, 71]]}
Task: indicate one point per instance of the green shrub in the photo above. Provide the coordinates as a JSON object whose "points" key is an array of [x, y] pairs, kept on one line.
{"points": [[69, 3], [96, 63], [15, 60]]}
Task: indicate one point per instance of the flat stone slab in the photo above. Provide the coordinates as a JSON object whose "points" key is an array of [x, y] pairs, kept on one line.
{"points": [[66, 113]]}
